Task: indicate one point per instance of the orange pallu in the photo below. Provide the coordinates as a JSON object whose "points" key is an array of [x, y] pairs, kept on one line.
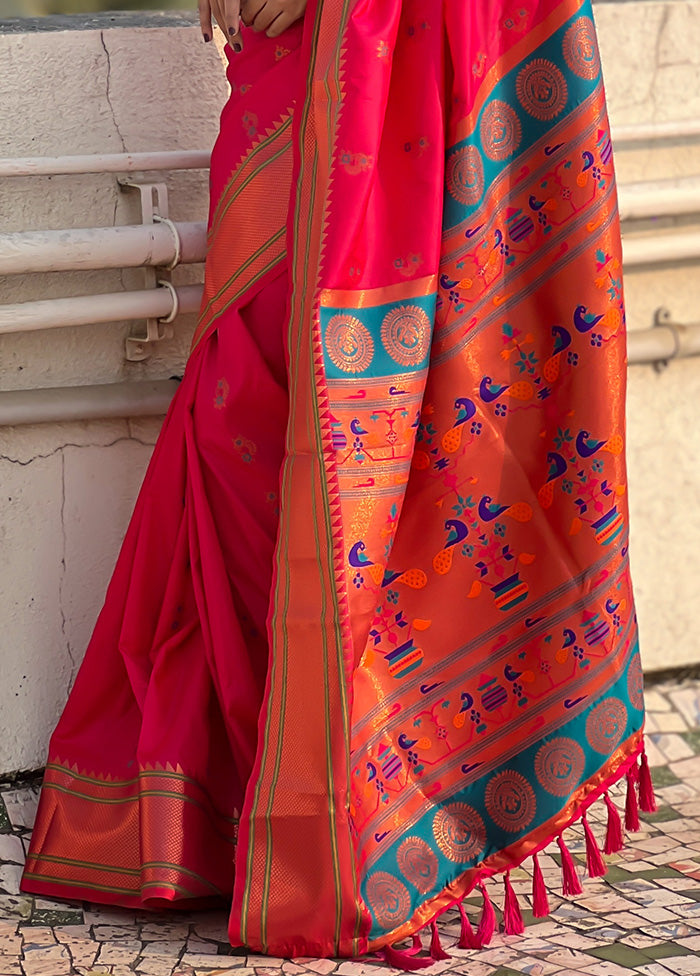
{"points": [[371, 637]]}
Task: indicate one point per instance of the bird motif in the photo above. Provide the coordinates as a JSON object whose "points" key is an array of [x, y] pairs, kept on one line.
{"points": [[442, 561], [585, 320], [490, 391], [356, 427], [587, 446], [357, 557], [447, 282], [458, 532], [562, 338], [552, 365], [489, 510], [452, 439], [557, 465], [465, 410]]}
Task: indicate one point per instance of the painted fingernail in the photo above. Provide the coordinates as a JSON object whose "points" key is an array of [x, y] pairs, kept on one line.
{"points": [[237, 47], [206, 37], [232, 30]]}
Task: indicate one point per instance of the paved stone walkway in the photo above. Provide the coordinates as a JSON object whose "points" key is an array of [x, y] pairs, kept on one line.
{"points": [[642, 918]]}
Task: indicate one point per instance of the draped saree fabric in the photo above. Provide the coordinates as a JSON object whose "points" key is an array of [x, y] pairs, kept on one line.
{"points": [[371, 638]]}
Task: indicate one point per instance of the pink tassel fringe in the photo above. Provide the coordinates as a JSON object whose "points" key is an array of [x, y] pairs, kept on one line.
{"points": [[540, 901], [570, 881], [631, 805], [512, 918], [436, 950], [402, 959], [647, 800], [468, 938], [487, 922], [595, 864], [614, 840]]}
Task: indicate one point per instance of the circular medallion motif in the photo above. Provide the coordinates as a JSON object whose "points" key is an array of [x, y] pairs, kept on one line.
{"points": [[510, 800], [500, 130], [349, 344], [465, 175], [418, 864], [406, 334], [581, 49], [389, 899], [606, 725], [559, 766], [459, 832], [635, 683], [541, 89]]}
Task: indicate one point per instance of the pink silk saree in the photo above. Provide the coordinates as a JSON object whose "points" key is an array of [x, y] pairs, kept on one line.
{"points": [[370, 641]]}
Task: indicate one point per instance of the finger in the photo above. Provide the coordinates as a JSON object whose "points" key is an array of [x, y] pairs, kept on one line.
{"points": [[280, 24], [232, 16], [250, 10], [292, 12], [219, 9], [268, 13], [204, 9]]}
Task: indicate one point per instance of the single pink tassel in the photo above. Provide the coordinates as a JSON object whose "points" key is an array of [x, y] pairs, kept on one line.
{"points": [[614, 841], [417, 944], [512, 918], [436, 950], [631, 805], [487, 922], [540, 901], [595, 864], [467, 938], [401, 959], [647, 800], [570, 881]]}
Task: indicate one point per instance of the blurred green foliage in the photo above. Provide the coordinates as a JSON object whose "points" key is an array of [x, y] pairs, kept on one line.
{"points": [[39, 8]]}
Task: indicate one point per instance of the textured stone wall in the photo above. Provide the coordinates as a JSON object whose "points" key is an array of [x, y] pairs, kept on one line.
{"points": [[82, 85]]}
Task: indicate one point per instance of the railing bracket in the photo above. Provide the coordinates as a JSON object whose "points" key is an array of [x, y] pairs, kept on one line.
{"points": [[154, 209]]}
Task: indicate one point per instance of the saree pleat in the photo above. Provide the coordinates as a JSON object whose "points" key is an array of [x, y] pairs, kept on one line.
{"points": [[371, 639]]}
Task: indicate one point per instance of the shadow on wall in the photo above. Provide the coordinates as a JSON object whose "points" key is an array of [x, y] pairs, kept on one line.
{"points": [[40, 8]]}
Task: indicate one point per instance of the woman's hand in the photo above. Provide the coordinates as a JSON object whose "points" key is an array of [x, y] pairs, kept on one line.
{"points": [[227, 14], [271, 16]]}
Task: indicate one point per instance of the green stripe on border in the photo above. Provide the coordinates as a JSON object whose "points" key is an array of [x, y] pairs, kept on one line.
{"points": [[285, 488], [218, 212], [246, 264]]}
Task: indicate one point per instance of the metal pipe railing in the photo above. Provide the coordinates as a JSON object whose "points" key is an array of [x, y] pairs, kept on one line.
{"points": [[162, 244], [125, 306], [664, 341], [622, 135], [660, 248], [106, 400], [677, 131], [661, 198], [143, 162]]}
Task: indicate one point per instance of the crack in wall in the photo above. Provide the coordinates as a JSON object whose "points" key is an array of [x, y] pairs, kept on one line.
{"points": [[665, 15], [64, 539], [61, 447], [107, 92], [62, 576]]}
